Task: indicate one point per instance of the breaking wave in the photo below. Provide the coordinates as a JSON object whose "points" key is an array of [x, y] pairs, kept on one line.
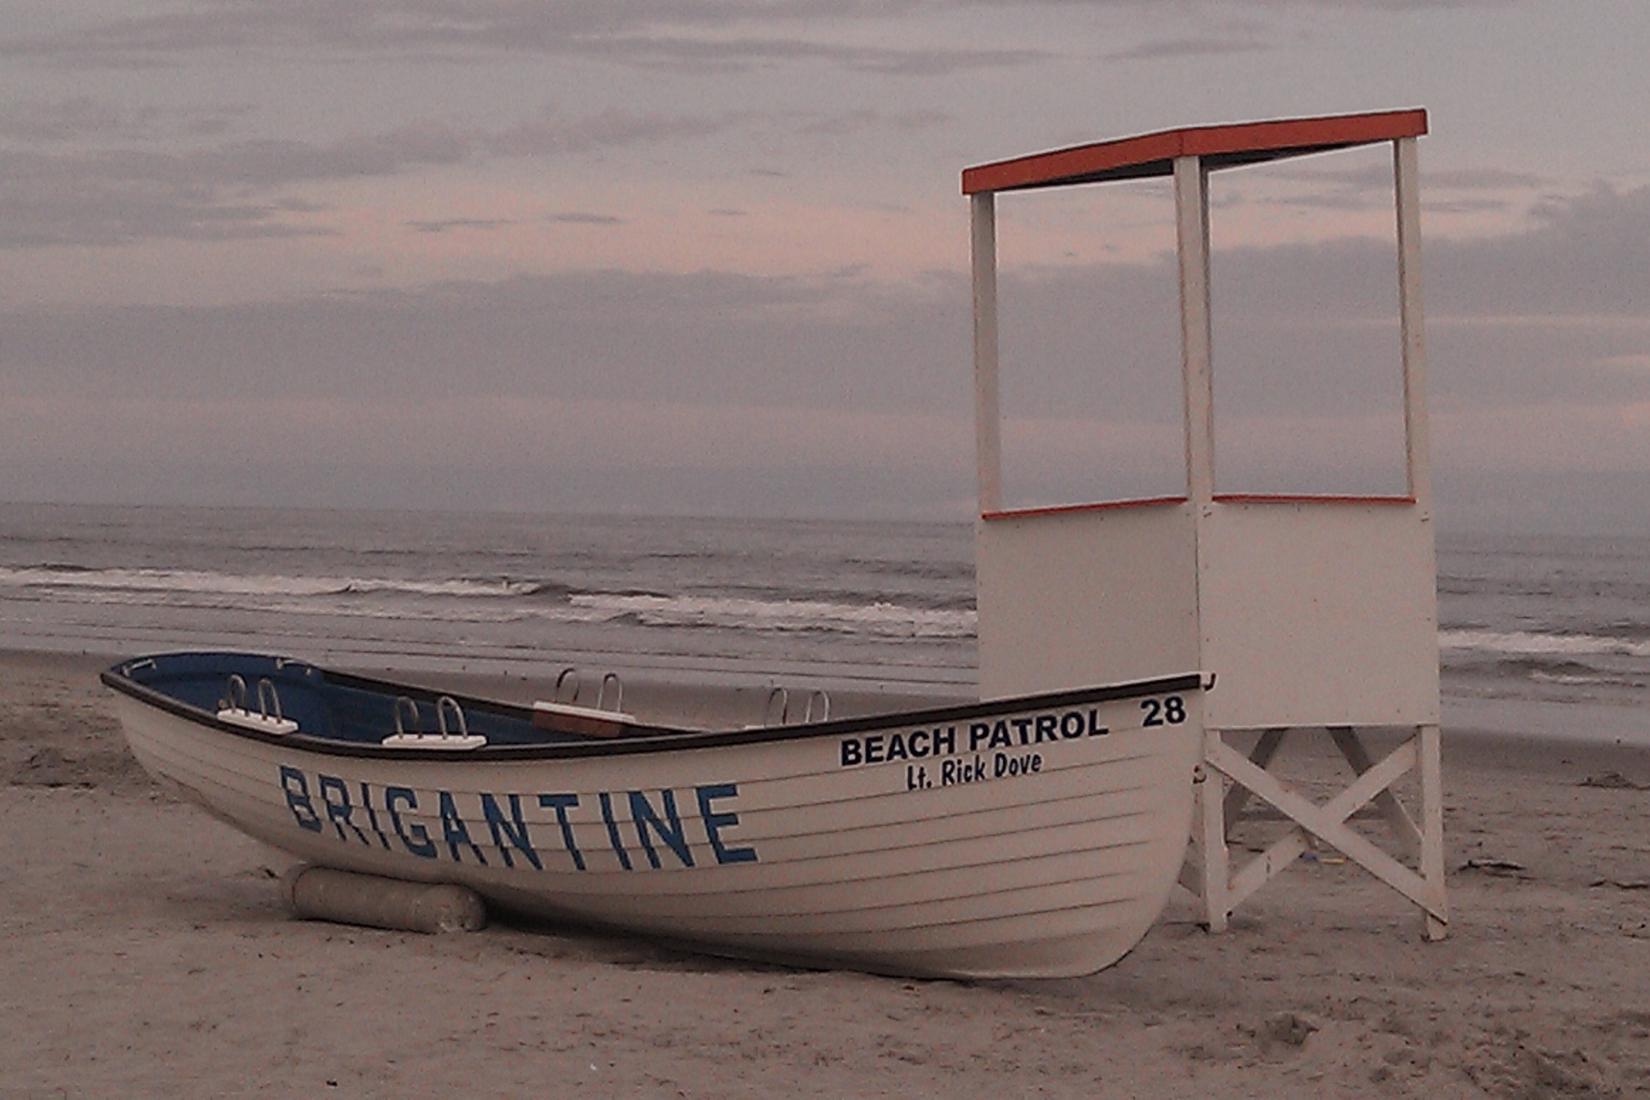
{"points": [[1531, 643], [259, 584]]}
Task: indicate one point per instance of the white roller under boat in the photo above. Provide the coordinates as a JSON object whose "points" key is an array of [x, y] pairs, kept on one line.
{"points": [[1036, 836]]}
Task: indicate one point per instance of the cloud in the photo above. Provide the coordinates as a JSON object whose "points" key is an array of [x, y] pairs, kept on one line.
{"points": [[117, 196], [77, 118], [581, 217], [241, 189], [1536, 341], [1469, 190], [1160, 49], [82, 200], [552, 134], [850, 122], [1483, 179], [688, 36], [446, 224], [1378, 177], [1353, 201]]}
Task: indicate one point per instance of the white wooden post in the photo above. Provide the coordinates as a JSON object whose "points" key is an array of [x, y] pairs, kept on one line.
{"points": [[987, 422], [1191, 192], [1209, 838], [1407, 185], [1192, 230], [1406, 178], [1432, 833]]}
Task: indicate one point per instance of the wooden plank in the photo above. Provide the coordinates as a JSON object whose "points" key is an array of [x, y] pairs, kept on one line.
{"points": [[1192, 232], [1311, 498], [1322, 825], [1265, 748], [1403, 828], [1224, 145], [987, 421], [1286, 849], [1067, 509], [1211, 838], [1432, 832], [1191, 870], [1406, 172], [1260, 870]]}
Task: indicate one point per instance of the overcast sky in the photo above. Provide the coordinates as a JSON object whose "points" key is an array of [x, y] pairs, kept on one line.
{"points": [[712, 256]]}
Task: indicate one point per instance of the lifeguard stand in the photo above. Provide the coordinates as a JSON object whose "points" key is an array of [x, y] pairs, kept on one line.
{"points": [[1314, 611]]}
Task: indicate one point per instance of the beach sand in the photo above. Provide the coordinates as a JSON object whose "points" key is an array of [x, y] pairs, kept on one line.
{"points": [[147, 951]]}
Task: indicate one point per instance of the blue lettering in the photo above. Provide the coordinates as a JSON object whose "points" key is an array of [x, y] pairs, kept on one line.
{"points": [[454, 831], [613, 830], [415, 837], [715, 823], [502, 829], [561, 802], [338, 809], [977, 733], [297, 799], [643, 814], [372, 817]]}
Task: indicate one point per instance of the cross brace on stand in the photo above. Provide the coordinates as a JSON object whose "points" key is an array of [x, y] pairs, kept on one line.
{"points": [[1208, 872]]}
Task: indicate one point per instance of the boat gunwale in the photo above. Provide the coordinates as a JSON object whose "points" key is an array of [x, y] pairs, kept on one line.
{"points": [[658, 739]]}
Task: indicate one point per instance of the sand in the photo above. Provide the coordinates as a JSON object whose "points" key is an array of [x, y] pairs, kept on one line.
{"points": [[147, 951]]}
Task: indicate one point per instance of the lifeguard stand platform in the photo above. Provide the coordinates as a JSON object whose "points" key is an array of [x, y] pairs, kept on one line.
{"points": [[1315, 612]]}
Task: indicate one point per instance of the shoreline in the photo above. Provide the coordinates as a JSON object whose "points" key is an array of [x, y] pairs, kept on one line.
{"points": [[148, 950]]}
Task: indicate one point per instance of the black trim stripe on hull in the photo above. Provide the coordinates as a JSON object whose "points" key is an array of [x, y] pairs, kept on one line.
{"points": [[642, 738]]}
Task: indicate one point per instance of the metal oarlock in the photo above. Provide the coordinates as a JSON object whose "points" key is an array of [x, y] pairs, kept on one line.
{"points": [[269, 700], [405, 705], [234, 693], [442, 706], [618, 693], [557, 695]]}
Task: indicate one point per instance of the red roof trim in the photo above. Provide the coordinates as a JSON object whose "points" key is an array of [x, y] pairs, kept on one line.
{"points": [[1063, 509], [1308, 498], [1221, 146]]}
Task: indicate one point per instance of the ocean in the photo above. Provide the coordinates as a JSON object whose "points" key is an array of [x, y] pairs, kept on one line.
{"points": [[1538, 635]]}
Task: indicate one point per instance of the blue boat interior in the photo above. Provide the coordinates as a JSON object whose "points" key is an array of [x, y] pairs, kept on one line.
{"points": [[328, 705]]}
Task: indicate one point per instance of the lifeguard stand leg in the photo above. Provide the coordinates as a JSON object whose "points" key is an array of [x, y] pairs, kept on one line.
{"points": [[1432, 832], [1213, 874], [1220, 890]]}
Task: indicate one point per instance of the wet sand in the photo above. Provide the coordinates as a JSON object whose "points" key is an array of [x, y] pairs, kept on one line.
{"points": [[147, 951]]}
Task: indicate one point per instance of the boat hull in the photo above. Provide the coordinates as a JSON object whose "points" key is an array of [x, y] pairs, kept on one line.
{"points": [[1031, 839]]}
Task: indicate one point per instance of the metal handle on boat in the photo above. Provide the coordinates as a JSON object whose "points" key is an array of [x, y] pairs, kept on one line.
{"points": [[784, 698], [618, 692], [442, 705], [565, 673], [403, 703], [234, 693], [269, 700], [824, 706]]}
